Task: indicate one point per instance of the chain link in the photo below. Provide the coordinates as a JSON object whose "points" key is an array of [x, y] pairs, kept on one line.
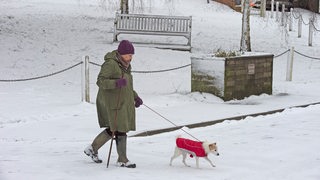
{"points": [[305, 22], [293, 13], [93, 63], [306, 55], [300, 16], [276, 56], [164, 70], [39, 77], [315, 28], [297, 53], [156, 71]]}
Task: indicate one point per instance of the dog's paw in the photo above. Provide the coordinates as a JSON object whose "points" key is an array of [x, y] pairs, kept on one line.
{"points": [[186, 165]]}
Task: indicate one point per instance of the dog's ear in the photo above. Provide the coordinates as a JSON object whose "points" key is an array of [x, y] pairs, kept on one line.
{"points": [[211, 146]]}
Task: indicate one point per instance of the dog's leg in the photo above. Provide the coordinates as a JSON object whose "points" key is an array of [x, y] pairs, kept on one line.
{"points": [[176, 154], [206, 158], [197, 162], [184, 156]]}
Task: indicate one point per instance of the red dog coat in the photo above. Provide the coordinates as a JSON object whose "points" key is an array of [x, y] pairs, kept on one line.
{"points": [[193, 146]]}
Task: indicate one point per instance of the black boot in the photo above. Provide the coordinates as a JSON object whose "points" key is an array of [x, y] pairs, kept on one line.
{"points": [[122, 152]]}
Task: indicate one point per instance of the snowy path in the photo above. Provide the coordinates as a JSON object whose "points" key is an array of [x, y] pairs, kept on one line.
{"points": [[278, 146]]}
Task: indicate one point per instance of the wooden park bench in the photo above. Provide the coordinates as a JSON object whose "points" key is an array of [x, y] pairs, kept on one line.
{"points": [[153, 25]]}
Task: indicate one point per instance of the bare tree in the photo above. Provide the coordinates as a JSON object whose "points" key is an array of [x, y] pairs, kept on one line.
{"points": [[138, 6], [124, 6], [245, 44]]}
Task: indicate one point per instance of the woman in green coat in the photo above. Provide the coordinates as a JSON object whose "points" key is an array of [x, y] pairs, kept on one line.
{"points": [[116, 102]]}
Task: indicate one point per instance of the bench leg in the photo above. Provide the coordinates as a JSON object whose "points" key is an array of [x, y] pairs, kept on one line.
{"points": [[189, 40], [115, 37]]}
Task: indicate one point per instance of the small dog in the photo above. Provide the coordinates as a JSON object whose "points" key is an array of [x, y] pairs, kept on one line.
{"points": [[194, 148]]}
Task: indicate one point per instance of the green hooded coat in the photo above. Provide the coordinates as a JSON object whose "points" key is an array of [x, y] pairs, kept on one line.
{"points": [[115, 106]]}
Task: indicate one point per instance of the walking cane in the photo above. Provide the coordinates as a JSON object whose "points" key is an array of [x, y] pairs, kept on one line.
{"points": [[115, 124], [110, 149]]}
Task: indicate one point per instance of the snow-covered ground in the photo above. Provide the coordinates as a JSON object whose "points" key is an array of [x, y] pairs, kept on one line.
{"points": [[44, 126]]}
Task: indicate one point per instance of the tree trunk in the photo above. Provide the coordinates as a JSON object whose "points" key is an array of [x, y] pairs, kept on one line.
{"points": [[245, 44], [124, 6]]}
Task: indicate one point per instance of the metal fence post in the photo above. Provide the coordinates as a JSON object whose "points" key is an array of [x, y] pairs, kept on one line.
{"points": [[277, 11], [272, 8], [283, 15], [82, 80], [290, 19], [85, 92], [263, 8], [87, 85], [299, 27], [310, 31], [290, 64]]}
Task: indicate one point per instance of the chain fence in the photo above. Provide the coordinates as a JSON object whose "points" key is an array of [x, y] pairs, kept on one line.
{"points": [[145, 72], [276, 56], [298, 15], [163, 70], [95, 64], [315, 28], [43, 76], [304, 55], [310, 57], [287, 19]]}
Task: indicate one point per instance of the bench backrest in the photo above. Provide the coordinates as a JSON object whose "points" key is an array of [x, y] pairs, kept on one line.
{"points": [[153, 23]]}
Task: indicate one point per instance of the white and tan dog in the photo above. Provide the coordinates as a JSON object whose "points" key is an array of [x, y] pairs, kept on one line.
{"points": [[194, 148]]}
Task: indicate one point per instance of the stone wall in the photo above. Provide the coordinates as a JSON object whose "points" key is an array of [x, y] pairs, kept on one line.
{"points": [[248, 75], [234, 77], [207, 75]]}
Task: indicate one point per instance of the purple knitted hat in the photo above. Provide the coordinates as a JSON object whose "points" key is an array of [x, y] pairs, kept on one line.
{"points": [[125, 47]]}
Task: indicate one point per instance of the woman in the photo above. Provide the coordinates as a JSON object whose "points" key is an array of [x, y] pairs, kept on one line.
{"points": [[116, 102]]}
